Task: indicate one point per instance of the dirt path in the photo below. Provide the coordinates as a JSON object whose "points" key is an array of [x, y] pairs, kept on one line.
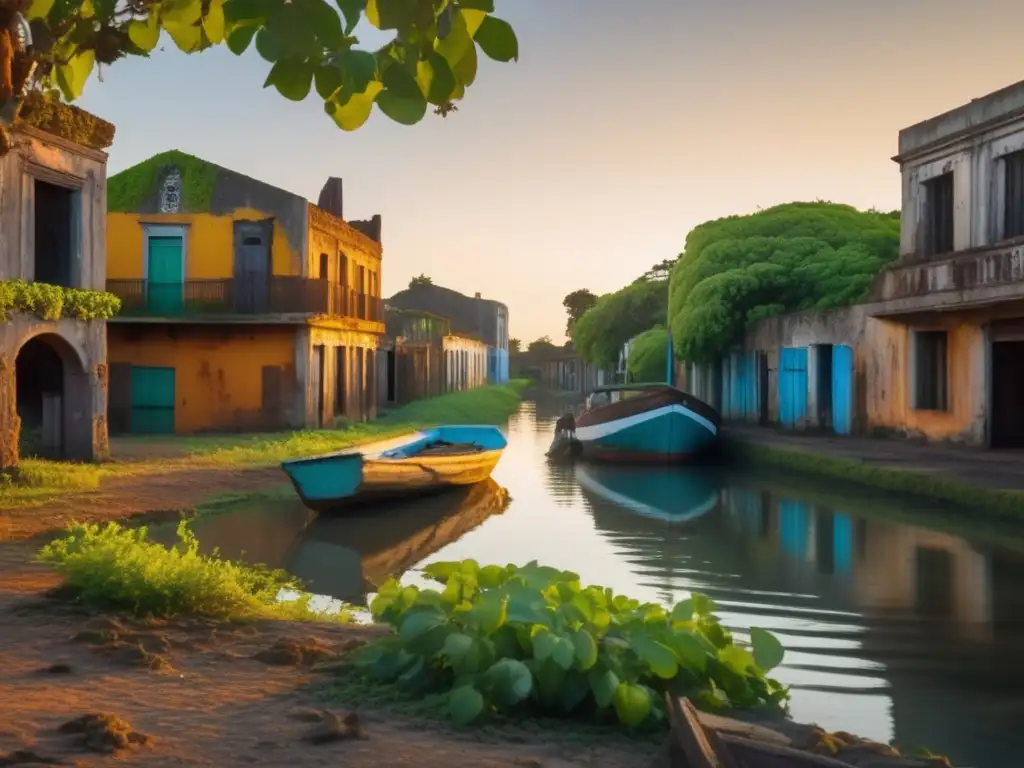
{"points": [[197, 693], [179, 490]]}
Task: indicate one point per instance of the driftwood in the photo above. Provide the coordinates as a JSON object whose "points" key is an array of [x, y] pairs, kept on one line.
{"points": [[696, 745]]}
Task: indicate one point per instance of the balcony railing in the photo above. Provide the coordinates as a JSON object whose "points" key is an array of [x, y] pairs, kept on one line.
{"points": [[276, 295]]}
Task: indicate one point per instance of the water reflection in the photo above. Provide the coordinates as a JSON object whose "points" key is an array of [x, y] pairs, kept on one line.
{"points": [[894, 631]]}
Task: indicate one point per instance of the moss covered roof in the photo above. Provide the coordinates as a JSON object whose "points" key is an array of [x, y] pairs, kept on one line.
{"points": [[129, 190], [67, 121]]}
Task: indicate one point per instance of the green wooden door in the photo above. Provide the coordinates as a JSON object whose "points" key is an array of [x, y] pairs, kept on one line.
{"points": [[165, 276], [152, 401]]}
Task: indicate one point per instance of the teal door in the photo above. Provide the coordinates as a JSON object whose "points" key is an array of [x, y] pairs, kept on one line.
{"points": [[152, 401], [165, 276]]}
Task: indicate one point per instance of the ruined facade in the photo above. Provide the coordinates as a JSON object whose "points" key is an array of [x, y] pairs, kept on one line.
{"points": [[53, 374], [470, 317], [937, 351], [246, 307]]}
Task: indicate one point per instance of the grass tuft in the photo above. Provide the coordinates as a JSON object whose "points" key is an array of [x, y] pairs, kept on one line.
{"points": [[114, 568]]}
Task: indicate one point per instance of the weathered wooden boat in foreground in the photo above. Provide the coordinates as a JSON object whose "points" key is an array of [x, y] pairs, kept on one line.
{"points": [[649, 423], [429, 461]]}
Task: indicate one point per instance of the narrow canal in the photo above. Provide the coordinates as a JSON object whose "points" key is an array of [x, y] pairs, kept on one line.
{"points": [[893, 631]]}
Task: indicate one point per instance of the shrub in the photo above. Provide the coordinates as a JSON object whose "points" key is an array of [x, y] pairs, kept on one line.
{"points": [[120, 569], [617, 317], [648, 355], [532, 637]]}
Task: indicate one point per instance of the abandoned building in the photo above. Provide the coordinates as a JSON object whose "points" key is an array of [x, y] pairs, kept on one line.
{"points": [[53, 381], [427, 358], [937, 351], [245, 307], [474, 317]]}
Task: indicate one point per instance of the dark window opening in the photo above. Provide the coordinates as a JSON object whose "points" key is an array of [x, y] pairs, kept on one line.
{"points": [[54, 241], [324, 267], [250, 240], [931, 371], [1013, 221], [342, 269], [939, 214], [340, 380], [39, 375], [1007, 385], [391, 376]]}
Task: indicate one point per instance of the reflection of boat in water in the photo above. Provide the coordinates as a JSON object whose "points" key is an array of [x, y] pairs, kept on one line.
{"points": [[672, 495], [647, 423], [432, 460], [346, 557]]}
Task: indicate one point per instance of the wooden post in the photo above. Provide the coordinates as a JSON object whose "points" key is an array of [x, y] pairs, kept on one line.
{"points": [[10, 424]]}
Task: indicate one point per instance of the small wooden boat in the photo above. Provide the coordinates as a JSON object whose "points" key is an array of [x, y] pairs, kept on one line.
{"points": [[429, 461], [653, 423]]}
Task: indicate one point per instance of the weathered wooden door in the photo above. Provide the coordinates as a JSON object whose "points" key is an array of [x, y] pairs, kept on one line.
{"points": [[792, 385], [316, 383], [252, 266], [165, 276], [842, 389]]}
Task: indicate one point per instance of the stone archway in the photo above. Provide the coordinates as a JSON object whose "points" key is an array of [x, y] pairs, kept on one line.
{"points": [[51, 397]]}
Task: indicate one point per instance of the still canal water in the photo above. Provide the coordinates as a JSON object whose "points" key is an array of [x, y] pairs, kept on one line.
{"points": [[892, 631]]}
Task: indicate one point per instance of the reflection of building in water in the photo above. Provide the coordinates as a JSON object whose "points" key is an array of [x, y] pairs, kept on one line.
{"points": [[891, 567]]}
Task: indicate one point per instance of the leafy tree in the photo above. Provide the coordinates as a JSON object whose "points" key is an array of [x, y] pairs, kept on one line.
{"points": [[421, 280], [648, 355], [660, 271], [576, 303], [308, 44], [514, 346], [617, 317], [543, 344], [740, 269]]}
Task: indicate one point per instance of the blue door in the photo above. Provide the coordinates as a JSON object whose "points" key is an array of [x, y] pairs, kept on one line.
{"points": [[842, 389], [152, 401], [792, 385]]}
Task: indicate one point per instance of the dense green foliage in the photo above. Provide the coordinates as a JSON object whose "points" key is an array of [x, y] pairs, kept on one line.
{"points": [[128, 190], [793, 257], [576, 304], [308, 44], [115, 568], [514, 346], [51, 302], [617, 317], [648, 355], [532, 637], [421, 279]]}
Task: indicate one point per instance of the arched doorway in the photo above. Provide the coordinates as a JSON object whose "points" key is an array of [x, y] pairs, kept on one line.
{"points": [[50, 387]]}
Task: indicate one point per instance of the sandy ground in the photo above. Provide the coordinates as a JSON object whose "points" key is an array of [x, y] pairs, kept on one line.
{"points": [[205, 693]]}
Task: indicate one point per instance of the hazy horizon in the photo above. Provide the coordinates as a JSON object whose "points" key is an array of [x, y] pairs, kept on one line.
{"points": [[614, 135]]}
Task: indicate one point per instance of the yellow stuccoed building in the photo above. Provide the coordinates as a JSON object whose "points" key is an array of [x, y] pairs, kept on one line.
{"points": [[245, 306]]}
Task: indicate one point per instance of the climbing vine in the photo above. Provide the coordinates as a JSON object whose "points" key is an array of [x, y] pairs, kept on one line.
{"points": [[431, 60], [51, 302], [128, 190]]}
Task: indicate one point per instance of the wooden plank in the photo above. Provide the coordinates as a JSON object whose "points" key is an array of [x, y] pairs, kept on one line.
{"points": [[700, 747], [761, 754]]}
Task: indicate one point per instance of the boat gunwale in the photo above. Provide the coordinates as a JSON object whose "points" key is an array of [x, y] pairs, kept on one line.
{"points": [[684, 399]]}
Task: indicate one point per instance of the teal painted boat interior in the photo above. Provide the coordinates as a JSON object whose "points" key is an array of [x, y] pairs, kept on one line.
{"points": [[487, 437], [339, 475]]}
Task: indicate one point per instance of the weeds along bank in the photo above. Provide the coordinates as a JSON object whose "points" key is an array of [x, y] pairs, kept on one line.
{"points": [[139, 462], [495, 648]]}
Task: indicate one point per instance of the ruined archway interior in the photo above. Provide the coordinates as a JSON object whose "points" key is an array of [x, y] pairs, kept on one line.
{"points": [[39, 375]]}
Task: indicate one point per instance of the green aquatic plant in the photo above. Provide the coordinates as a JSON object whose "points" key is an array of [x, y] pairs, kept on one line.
{"points": [[115, 568], [533, 638]]}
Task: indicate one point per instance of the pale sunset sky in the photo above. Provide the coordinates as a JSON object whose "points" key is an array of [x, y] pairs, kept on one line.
{"points": [[623, 125]]}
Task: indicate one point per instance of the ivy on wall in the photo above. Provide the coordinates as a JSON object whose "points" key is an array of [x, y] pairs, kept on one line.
{"points": [[51, 302], [129, 190], [76, 125]]}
